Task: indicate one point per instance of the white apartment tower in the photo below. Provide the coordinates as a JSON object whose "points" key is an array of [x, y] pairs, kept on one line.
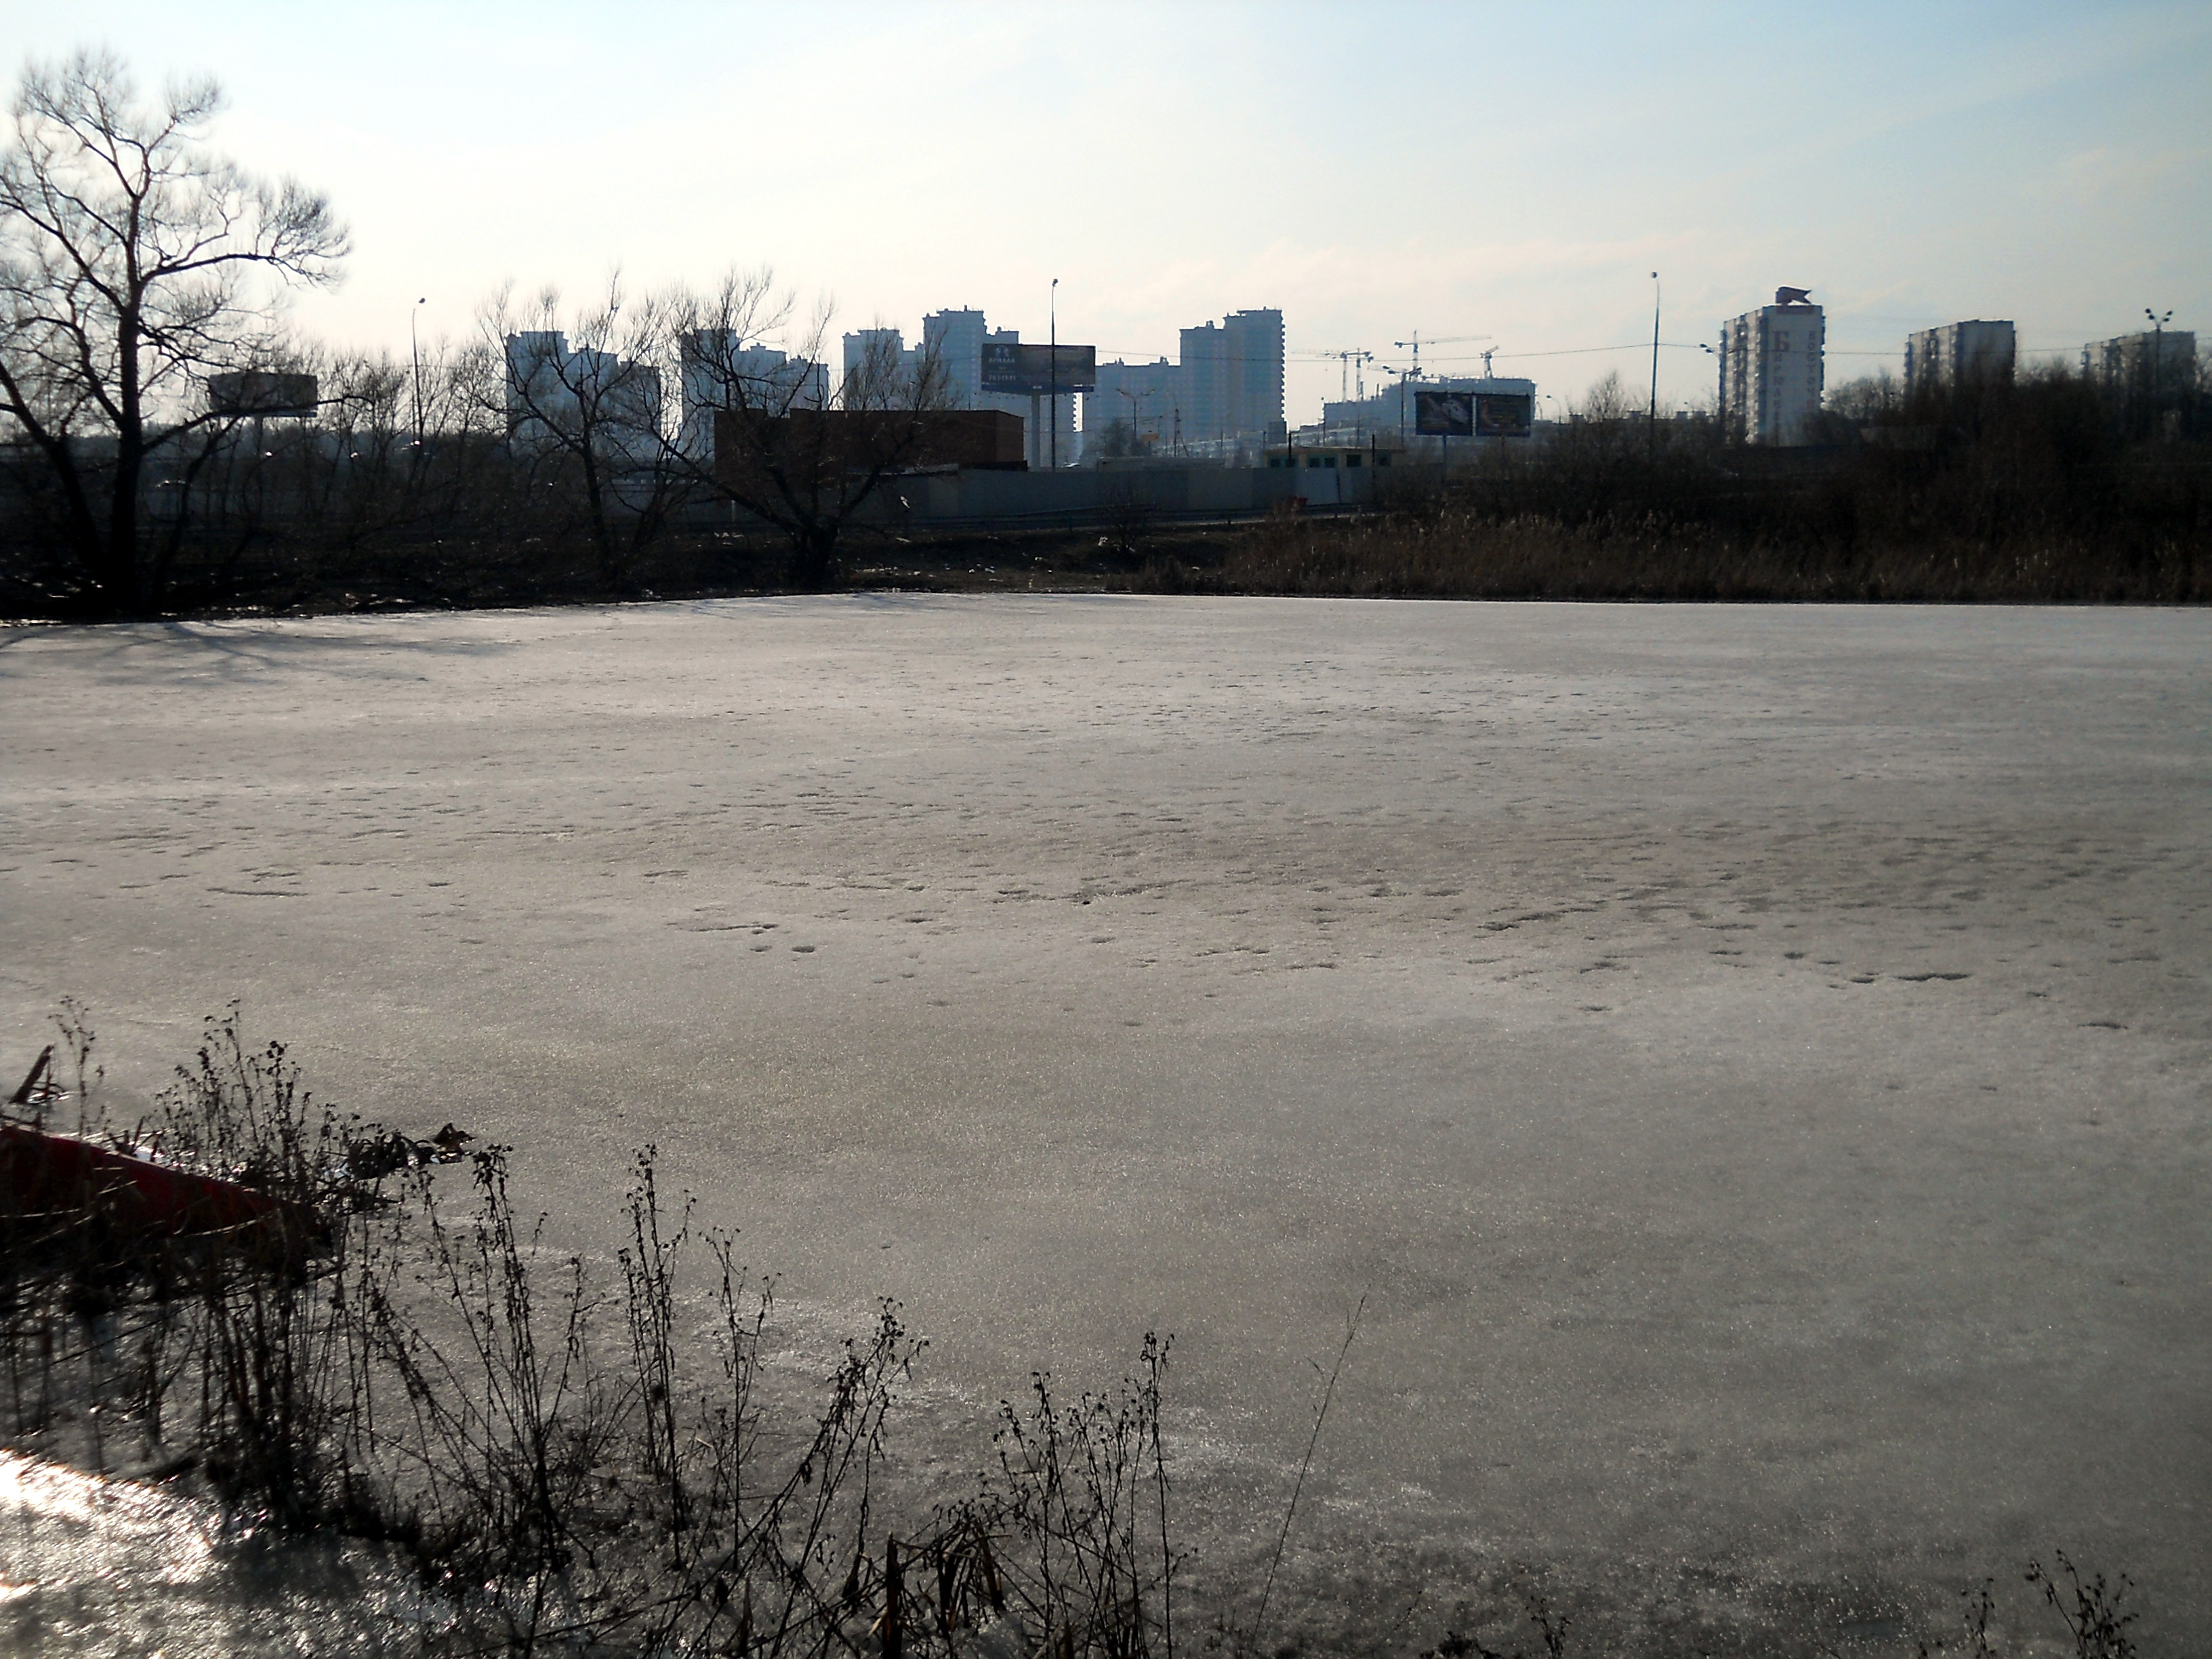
{"points": [[1146, 399], [556, 396], [1233, 377], [955, 341], [1958, 353], [720, 371], [2154, 363], [1771, 371]]}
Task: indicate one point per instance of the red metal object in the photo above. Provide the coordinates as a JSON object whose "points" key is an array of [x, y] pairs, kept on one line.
{"points": [[51, 1177]]}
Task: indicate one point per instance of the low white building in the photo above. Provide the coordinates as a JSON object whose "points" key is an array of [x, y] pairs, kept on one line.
{"points": [[1387, 415], [1773, 371]]}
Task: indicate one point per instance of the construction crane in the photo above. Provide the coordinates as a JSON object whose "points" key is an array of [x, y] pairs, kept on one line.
{"points": [[1351, 367], [1417, 343]]}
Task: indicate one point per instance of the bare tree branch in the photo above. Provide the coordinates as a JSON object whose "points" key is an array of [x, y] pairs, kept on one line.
{"points": [[134, 263]]}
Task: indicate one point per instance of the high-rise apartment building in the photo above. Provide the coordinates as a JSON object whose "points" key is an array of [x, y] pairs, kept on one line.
{"points": [[955, 340], [718, 370], [554, 395], [1958, 353], [2156, 362], [875, 357], [1233, 377], [1146, 399], [1773, 371], [1256, 384]]}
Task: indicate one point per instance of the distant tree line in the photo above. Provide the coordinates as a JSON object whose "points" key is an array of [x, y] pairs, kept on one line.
{"points": [[2044, 486]]}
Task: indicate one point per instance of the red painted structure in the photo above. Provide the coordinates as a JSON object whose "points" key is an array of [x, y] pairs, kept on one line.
{"points": [[51, 1178]]}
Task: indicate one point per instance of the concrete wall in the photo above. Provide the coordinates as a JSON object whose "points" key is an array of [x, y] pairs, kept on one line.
{"points": [[1172, 492]]}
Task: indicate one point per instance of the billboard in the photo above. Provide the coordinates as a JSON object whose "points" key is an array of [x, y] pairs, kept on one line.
{"points": [[259, 391], [1504, 413], [1036, 369], [1444, 414]]}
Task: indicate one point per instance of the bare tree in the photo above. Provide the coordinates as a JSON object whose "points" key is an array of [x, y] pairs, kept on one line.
{"points": [[585, 389], [133, 262], [761, 429]]}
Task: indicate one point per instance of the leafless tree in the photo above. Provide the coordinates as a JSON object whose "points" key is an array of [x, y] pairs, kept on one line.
{"points": [[761, 429], [133, 262], [584, 389]]}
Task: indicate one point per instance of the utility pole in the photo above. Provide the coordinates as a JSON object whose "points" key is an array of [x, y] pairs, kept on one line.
{"points": [[1052, 374], [1651, 417]]}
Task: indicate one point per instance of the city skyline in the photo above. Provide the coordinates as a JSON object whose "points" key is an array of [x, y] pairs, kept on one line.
{"points": [[1462, 172]]}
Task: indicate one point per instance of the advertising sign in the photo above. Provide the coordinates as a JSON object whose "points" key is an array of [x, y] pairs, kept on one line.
{"points": [[1504, 414], [1034, 369], [1444, 414], [257, 392]]}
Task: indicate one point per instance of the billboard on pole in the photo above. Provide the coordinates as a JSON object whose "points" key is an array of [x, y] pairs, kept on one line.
{"points": [[1504, 413], [1444, 414], [259, 391], [1039, 370]]}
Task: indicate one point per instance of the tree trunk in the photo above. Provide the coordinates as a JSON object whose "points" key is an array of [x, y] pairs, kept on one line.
{"points": [[119, 576], [814, 555], [611, 574]]}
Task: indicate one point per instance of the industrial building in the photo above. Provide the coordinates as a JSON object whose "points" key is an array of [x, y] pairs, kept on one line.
{"points": [[1958, 353], [905, 441], [1771, 371], [718, 370]]}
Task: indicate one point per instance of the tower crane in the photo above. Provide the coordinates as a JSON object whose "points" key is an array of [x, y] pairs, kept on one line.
{"points": [[1351, 365], [1417, 343]]}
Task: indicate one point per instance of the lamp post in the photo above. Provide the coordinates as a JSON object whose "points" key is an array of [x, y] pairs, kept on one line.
{"points": [[415, 352], [1651, 416], [2157, 357], [1052, 374]]}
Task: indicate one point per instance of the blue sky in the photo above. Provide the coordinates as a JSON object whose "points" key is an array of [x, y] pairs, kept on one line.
{"points": [[1510, 171]]}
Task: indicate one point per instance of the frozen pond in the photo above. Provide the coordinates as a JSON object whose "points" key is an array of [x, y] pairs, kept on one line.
{"points": [[1752, 1061]]}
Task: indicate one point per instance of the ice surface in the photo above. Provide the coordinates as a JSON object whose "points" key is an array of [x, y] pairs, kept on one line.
{"points": [[1751, 1061]]}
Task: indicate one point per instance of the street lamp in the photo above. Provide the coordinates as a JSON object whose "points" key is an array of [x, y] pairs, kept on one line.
{"points": [[1052, 374], [1651, 417], [2157, 354], [415, 351]]}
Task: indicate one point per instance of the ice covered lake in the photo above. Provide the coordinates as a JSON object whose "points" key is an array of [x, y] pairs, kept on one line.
{"points": [[1752, 1061]]}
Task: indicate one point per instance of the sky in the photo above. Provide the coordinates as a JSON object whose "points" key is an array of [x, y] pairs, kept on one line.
{"points": [[1504, 176]]}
